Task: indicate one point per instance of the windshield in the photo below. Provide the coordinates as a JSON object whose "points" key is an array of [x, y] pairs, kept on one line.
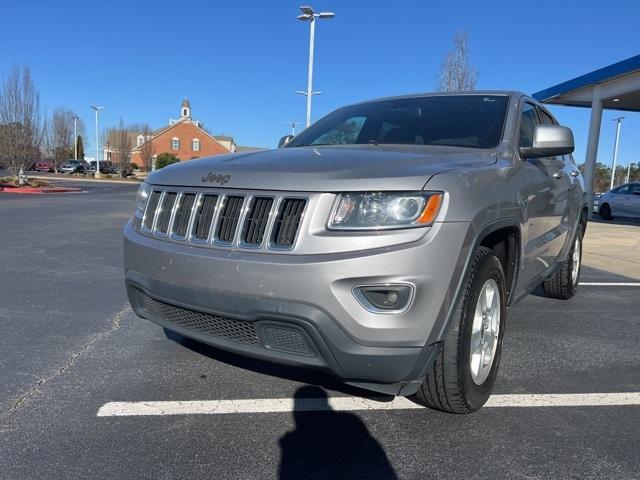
{"points": [[473, 121]]}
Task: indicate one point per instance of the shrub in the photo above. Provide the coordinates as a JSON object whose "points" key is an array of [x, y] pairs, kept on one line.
{"points": [[134, 166], [165, 159]]}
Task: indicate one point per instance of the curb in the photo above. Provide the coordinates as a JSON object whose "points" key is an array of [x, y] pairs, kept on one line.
{"points": [[74, 179]]}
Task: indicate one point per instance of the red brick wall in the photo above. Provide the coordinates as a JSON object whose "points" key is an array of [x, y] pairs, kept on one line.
{"points": [[186, 132]]}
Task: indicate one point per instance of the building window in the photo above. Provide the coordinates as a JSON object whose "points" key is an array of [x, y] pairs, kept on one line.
{"points": [[175, 143], [184, 112], [140, 140], [195, 145]]}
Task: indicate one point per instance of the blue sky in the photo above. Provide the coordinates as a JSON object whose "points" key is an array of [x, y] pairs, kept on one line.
{"points": [[240, 62]]}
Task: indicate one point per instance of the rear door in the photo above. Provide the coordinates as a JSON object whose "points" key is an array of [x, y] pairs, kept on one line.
{"points": [[628, 201]]}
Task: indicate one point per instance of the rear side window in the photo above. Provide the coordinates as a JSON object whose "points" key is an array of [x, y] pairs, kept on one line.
{"points": [[624, 189], [528, 120]]}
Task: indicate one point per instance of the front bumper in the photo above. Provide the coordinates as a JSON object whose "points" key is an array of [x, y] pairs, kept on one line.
{"points": [[299, 309]]}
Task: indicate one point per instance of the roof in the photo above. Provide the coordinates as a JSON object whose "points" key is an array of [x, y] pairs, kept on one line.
{"points": [[566, 93], [185, 103], [444, 94], [160, 131]]}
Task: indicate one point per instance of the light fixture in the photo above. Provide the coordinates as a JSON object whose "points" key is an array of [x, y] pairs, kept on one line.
{"points": [[616, 99]]}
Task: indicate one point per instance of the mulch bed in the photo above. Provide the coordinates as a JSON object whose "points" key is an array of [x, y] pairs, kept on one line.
{"points": [[13, 189]]}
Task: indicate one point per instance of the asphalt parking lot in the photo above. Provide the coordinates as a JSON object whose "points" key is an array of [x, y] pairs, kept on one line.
{"points": [[70, 346]]}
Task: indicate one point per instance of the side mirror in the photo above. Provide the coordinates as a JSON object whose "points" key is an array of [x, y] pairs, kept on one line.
{"points": [[549, 141], [284, 141]]}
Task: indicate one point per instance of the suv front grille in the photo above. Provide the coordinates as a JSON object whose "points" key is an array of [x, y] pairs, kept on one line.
{"points": [[214, 325], [281, 337], [237, 219]]}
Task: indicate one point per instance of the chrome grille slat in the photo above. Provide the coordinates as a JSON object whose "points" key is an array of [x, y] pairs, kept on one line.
{"points": [[151, 210], [224, 218], [288, 222], [165, 213], [255, 223], [183, 215], [204, 216], [229, 217]]}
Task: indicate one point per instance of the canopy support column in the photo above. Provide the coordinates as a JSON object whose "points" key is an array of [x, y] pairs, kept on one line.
{"points": [[592, 145]]}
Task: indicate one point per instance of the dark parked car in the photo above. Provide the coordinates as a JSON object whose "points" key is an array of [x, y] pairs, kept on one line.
{"points": [[74, 166], [105, 167]]}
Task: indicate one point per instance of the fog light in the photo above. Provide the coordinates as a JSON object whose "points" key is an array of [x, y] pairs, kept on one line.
{"points": [[384, 298]]}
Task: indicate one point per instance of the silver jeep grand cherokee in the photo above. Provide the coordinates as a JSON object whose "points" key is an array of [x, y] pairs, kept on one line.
{"points": [[385, 243]]}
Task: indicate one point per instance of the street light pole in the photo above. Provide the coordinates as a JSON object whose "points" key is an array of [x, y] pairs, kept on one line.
{"points": [[293, 124], [97, 109], [615, 150], [308, 14], [75, 137]]}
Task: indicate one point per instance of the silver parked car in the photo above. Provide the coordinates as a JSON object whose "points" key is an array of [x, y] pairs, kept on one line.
{"points": [[384, 244], [622, 201]]}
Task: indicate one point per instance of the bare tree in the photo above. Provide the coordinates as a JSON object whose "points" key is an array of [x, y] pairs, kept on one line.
{"points": [[21, 125], [146, 149], [456, 72], [122, 144]]}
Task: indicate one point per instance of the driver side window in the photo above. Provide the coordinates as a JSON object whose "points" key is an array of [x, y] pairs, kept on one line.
{"points": [[528, 120]]}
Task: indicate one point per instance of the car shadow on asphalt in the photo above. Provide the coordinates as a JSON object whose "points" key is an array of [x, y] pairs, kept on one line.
{"points": [[329, 444], [296, 374]]}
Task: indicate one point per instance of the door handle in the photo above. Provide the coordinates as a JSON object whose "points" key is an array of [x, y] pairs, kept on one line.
{"points": [[575, 173], [558, 175]]}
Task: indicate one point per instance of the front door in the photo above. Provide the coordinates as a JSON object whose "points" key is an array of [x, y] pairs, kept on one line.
{"points": [[544, 195]]}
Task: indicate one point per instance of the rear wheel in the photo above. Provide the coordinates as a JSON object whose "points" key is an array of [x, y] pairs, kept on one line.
{"points": [[463, 374], [605, 212], [564, 283]]}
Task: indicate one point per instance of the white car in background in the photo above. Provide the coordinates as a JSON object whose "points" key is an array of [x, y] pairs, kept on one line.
{"points": [[622, 201]]}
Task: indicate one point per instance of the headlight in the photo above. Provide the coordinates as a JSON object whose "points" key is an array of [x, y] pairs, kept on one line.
{"points": [[384, 210], [143, 195]]}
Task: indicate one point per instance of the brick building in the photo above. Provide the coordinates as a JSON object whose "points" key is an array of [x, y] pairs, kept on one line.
{"points": [[184, 137]]}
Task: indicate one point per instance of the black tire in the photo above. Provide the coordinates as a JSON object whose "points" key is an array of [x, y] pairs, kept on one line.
{"points": [[605, 212], [449, 385], [562, 285]]}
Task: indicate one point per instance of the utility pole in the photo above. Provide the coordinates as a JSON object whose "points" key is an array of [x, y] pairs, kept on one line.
{"points": [[293, 124], [97, 109], [615, 150], [309, 15]]}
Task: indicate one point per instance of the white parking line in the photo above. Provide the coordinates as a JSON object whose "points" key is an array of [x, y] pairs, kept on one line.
{"points": [[274, 405], [610, 284]]}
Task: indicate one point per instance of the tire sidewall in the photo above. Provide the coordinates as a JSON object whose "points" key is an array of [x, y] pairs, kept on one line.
{"points": [[574, 285], [477, 395]]}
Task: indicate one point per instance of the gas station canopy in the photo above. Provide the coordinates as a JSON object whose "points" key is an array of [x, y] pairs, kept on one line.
{"points": [[615, 87]]}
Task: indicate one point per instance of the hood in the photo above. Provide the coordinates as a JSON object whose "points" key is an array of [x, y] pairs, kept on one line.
{"points": [[323, 168]]}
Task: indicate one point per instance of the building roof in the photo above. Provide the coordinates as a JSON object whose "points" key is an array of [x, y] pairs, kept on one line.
{"points": [[160, 131], [185, 103], [622, 80]]}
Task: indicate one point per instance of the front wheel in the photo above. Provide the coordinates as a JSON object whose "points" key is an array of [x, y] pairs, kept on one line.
{"points": [[605, 212], [464, 372]]}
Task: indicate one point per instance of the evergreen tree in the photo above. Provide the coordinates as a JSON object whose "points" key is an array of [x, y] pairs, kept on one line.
{"points": [[80, 148]]}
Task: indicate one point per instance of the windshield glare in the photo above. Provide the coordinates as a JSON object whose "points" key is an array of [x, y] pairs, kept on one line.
{"points": [[473, 121]]}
